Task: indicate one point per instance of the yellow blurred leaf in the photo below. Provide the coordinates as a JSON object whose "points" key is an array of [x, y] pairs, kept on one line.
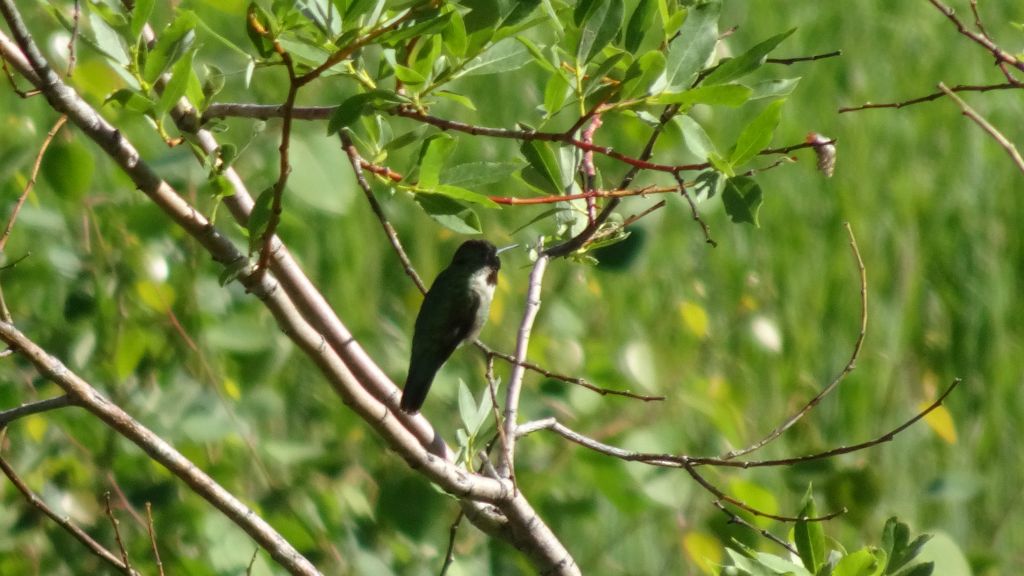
{"points": [[695, 318], [941, 422], [704, 550], [35, 425], [159, 297], [231, 389]]}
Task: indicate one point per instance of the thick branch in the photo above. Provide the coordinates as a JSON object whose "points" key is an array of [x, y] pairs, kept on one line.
{"points": [[85, 395]]}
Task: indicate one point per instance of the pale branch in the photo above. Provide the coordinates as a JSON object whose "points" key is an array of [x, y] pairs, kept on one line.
{"points": [[849, 367], [112, 141], [12, 414], [64, 521], [992, 131], [934, 96], [354, 376], [664, 460], [83, 394], [357, 168], [981, 39], [887, 437], [515, 379]]}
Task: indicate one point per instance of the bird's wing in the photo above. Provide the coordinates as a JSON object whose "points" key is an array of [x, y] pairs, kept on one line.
{"points": [[437, 334]]}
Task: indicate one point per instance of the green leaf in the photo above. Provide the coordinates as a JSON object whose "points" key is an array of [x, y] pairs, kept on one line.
{"points": [[181, 72], [732, 95], [449, 213], [810, 536], [107, 39], [433, 153], [454, 35], [477, 174], [140, 14], [467, 407], [757, 135], [540, 157], [538, 55], [355, 106], [426, 27], [174, 41], [463, 101], [131, 100], [688, 53], [639, 23], [773, 88], [602, 20], [697, 140], [742, 198], [642, 74], [504, 56], [747, 62], [897, 545], [259, 218], [707, 185], [555, 93], [463, 195], [408, 76], [864, 562]]}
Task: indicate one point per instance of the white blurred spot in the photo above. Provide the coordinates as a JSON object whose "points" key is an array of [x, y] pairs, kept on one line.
{"points": [[766, 333]]}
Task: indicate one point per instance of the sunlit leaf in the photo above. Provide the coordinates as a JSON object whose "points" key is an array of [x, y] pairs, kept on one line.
{"points": [[688, 53], [747, 62], [757, 135], [695, 318], [810, 535], [704, 550]]}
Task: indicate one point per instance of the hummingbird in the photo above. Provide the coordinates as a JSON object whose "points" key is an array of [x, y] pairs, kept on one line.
{"points": [[453, 311]]}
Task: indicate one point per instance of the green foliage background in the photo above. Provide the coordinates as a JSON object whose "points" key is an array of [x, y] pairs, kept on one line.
{"points": [[933, 201]]}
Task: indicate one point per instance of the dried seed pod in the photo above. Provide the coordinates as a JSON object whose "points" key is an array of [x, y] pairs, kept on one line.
{"points": [[825, 148]]}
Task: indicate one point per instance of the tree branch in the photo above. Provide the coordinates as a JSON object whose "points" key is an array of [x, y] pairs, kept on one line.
{"points": [[64, 521], [987, 127]]}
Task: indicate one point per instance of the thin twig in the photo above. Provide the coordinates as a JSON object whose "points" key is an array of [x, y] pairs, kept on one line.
{"points": [[789, 61], [492, 388], [63, 521], [31, 179], [933, 96], [980, 38], [449, 556], [737, 519], [12, 414], [978, 119], [284, 166], [357, 164], [849, 367], [564, 378], [693, 210], [152, 537], [117, 531]]}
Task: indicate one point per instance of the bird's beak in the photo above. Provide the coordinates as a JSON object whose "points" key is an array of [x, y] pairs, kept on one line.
{"points": [[507, 248]]}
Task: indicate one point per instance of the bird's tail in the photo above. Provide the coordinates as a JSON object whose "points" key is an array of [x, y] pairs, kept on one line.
{"points": [[417, 384]]}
